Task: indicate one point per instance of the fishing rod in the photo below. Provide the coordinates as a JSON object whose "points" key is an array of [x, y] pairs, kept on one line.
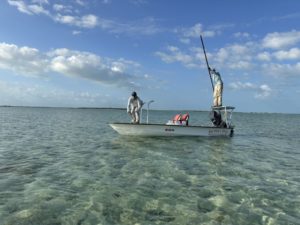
{"points": [[208, 68]]}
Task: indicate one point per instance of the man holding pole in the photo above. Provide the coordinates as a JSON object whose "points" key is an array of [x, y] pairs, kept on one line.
{"points": [[217, 87], [216, 81]]}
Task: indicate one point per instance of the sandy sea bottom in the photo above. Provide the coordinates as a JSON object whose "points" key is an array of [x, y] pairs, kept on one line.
{"points": [[67, 166]]}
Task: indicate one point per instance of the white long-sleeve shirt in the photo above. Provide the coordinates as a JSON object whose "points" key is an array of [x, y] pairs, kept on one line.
{"points": [[134, 103], [216, 78]]}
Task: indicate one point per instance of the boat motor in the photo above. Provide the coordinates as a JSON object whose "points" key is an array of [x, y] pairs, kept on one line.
{"points": [[216, 118]]}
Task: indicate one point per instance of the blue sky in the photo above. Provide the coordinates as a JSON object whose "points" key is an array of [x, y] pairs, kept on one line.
{"points": [[94, 53]]}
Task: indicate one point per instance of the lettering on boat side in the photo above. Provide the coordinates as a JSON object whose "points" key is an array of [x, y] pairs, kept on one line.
{"points": [[217, 132], [169, 130]]}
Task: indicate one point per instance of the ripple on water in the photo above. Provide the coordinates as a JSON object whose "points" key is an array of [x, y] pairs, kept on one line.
{"points": [[67, 166]]}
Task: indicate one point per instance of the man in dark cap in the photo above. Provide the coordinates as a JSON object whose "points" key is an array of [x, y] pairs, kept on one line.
{"points": [[134, 107]]}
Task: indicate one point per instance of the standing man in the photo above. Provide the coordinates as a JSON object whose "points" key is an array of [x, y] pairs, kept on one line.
{"points": [[218, 87], [134, 107]]}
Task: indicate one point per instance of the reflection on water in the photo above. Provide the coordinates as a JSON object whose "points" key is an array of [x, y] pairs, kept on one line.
{"points": [[67, 166]]}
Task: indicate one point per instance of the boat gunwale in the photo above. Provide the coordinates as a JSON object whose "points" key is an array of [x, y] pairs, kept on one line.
{"points": [[170, 125]]}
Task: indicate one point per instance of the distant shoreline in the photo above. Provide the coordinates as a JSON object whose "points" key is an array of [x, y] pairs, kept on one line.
{"points": [[58, 107], [115, 108], [119, 108]]}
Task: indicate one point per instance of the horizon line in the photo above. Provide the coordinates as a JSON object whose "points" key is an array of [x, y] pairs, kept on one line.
{"points": [[124, 108]]}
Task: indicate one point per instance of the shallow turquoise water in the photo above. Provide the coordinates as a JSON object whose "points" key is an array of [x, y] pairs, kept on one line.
{"points": [[67, 166]]}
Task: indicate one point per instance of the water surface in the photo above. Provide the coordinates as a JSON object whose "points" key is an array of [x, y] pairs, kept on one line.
{"points": [[67, 166]]}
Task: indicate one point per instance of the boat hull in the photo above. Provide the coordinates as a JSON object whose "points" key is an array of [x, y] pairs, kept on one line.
{"points": [[169, 130]]}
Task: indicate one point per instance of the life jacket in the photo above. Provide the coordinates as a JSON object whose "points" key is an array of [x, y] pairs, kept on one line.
{"points": [[182, 119], [177, 117], [185, 117]]}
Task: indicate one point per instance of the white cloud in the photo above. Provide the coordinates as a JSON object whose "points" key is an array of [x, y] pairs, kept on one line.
{"points": [[281, 70], [29, 9], [218, 28], [124, 64], [21, 6], [58, 7], [292, 54], [240, 85], [241, 35], [264, 56], [81, 2], [239, 49], [146, 26], [86, 21], [106, 1], [92, 67], [38, 9], [242, 57], [31, 62], [288, 16], [185, 40], [264, 92], [27, 60], [62, 8], [193, 32], [40, 2], [260, 91], [175, 55], [76, 32], [222, 55], [281, 40], [40, 95], [65, 14], [235, 56], [240, 65]]}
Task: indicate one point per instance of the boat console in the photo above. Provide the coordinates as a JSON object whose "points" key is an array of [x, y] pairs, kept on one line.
{"points": [[221, 116]]}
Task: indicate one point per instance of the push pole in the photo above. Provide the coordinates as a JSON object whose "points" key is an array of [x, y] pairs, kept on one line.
{"points": [[208, 68]]}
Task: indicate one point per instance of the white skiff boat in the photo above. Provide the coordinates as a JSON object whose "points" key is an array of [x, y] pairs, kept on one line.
{"points": [[221, 126], [179, 126]]}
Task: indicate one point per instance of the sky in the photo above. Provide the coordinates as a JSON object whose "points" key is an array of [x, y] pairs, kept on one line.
{"points": [[94, 53]]}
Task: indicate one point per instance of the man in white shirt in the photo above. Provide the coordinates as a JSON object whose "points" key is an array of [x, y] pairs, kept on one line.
{"points": [[134, 107], [218, 87]]}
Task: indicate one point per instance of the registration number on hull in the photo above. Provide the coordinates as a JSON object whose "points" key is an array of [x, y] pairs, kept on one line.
{"points": [[214, 132], [169, 129]]}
